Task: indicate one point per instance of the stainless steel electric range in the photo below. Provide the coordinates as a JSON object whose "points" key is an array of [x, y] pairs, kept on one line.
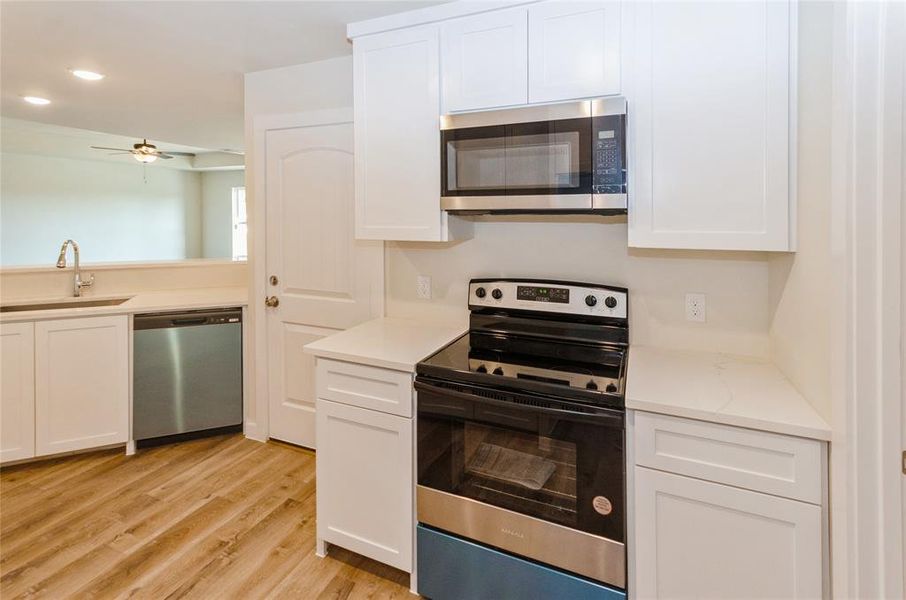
{"points": [[520, 451]]}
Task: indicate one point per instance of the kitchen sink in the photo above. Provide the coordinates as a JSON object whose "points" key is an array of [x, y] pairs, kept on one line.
{"points": [[58, 304]]}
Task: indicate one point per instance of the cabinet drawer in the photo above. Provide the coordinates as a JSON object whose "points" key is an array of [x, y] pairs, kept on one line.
{"points": [[378, 389], [765, 462]]}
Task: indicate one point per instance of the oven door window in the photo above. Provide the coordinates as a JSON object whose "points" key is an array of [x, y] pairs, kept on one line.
{"points": [[563, 470], [542, 158]]}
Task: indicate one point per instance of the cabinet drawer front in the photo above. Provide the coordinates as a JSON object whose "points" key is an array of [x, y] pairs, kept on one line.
{"points": [[774, 464], [367, 387]]}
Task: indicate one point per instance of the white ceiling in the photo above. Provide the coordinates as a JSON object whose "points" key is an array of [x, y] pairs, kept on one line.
{"points": [[174, 69]]}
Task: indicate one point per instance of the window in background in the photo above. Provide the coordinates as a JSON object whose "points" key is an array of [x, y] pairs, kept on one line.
{"points": [[240, 225]]}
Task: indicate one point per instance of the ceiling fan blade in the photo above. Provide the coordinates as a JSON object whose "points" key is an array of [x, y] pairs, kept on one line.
{"points": [[106, 148], [117, 153], [164, 156], [172, 153]]}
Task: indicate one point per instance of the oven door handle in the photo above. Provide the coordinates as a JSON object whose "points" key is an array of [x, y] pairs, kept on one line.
{"points": [[607, 417]]}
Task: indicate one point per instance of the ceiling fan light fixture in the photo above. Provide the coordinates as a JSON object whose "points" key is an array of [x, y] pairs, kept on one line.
{"points": [[87, 75], [36, 100], [144, 157]]}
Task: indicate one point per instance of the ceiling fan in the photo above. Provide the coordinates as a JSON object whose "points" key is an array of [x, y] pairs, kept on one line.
{"points": [[144, 152]]}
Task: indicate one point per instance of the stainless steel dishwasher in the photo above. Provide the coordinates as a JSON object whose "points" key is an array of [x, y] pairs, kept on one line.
{"points": [[187, 375]]}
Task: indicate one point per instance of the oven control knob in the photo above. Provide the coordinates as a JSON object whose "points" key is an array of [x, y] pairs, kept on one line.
{"points": [[610, 302], [591, 385], [497, 294], [481, 292], [590, 300], [611, 388], [498, 371], [481, 369]]}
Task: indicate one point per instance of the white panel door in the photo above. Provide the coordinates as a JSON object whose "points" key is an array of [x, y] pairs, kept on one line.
{"points": [[365, 482], [323, 278], [484, 60], [17, 391], [708, 85], [397, 135], [81, 383], [695, 539], [574, 49]]}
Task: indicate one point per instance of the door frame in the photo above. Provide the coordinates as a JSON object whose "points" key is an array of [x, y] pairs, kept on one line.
{"points": [[257, 413], [868, 154]]}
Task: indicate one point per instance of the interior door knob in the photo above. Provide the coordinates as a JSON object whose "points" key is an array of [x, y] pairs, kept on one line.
{"points": [[272, 301]]}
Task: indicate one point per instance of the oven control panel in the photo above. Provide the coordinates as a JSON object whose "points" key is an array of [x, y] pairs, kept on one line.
{"points": [[548, 296]]}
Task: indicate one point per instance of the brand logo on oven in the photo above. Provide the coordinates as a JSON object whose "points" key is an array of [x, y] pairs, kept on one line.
{"points": [[517, 534]]}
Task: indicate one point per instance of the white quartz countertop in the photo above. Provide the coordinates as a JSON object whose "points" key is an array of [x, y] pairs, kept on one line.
{"points": [[388, 342], [141, 302], [720, 388]]}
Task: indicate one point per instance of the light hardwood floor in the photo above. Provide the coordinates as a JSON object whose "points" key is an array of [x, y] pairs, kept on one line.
{"points": [[221, 517]]}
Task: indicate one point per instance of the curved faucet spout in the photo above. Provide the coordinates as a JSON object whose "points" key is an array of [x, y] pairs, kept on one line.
{"points": [[78, 283]]}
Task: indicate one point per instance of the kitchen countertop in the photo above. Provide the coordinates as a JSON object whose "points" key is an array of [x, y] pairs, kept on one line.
{"points": [[720, 388], [141, 302], [388, 342]]}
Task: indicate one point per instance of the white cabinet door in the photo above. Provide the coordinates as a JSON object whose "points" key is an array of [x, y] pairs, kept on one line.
{"points": [[397, 136], [364, 472], [81, 383], [17, 391], [708, 85], [695, 539], [574, 49], [484, 60]]}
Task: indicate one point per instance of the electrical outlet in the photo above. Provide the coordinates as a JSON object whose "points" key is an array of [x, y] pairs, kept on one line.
{"points": [[695, 308], [423, 287]]}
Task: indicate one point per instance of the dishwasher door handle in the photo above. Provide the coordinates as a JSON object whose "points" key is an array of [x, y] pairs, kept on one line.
{"points": [[189, 321]]}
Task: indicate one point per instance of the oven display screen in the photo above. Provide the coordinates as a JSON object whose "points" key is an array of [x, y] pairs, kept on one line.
{"points": [[542, 294]]}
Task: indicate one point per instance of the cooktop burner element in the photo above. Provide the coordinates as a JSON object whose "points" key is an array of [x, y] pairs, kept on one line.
{"points": [[559, 339]]}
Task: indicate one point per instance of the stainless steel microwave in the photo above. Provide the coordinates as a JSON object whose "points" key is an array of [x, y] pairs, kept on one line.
{"points": [[557, 158]]}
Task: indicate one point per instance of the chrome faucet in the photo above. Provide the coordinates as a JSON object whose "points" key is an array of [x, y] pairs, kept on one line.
{"points": [[79, 283]]}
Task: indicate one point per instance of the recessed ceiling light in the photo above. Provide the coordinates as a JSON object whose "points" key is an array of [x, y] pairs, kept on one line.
{"points": [[36, 100], [87, 75]]}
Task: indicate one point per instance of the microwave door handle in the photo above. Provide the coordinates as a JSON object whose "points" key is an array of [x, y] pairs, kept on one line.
{"points": [[614, 420]]}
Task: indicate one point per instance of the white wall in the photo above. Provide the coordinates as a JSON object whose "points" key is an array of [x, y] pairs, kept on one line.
{"points": [[589, 249], [106, 207], [217, 211], [801, 283]]}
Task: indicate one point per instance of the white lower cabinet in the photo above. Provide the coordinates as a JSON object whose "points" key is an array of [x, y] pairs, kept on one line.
{"points": [[724, 512], [17, 391], [81, 383], [697, 539], [364, 471]]}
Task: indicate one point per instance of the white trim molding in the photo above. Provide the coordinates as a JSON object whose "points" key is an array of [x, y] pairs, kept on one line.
{"points": [[867, 503]]}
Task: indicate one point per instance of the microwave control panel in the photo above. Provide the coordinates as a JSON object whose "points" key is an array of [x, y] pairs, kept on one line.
{"points": [[609, 154]]}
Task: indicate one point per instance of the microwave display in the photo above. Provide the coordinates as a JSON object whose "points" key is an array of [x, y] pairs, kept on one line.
{"points": [[542, 294]]}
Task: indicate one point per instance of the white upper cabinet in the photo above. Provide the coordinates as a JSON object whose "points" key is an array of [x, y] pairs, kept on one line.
{"points": [[573, 50], [397, 136], [710, 112], [17, 391], [484, 60]]}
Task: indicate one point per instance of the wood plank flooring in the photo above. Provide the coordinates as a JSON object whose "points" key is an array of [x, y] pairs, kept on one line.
{"points": [[215, 518]]}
